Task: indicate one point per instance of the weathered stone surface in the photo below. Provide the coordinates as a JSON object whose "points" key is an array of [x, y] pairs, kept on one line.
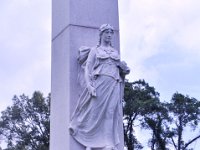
{"points": [[75, 23], [88, 13]]}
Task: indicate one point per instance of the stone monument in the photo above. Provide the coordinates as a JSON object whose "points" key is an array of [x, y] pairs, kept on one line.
{"points": [[75, 23]]}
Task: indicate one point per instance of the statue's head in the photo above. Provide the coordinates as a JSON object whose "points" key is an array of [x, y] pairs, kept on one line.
{"points": [[104, 28]]}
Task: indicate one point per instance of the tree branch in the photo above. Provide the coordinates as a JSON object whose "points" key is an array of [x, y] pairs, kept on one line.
{"points": [[187, 144], [174, 143]]}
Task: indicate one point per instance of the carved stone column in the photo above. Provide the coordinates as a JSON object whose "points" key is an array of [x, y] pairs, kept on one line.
{"points": [[74, 23]]}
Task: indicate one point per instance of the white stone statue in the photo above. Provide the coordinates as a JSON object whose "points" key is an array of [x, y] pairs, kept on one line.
{"points": [[95, 120]]}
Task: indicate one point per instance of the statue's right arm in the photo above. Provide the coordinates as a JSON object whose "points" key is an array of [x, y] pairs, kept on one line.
{"points": [[88, 72]]}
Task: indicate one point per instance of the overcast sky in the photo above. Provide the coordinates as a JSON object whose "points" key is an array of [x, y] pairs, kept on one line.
{"points": [[25, 48], [159, 40]]}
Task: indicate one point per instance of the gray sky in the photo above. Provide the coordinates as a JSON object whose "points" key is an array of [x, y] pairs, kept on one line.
{"points": [[159, 41], [25, 46]]}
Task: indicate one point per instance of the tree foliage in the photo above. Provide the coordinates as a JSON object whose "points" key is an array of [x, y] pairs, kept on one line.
{"points": [[165, 121], [157, 121], [140, 99], [25, 125], [186, 114]]}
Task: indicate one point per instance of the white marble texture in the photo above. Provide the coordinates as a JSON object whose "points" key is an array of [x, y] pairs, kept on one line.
{"points": [[74, 23]]}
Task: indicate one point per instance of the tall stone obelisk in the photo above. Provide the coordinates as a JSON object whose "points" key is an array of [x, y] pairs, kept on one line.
{"points": [[75, 23]]}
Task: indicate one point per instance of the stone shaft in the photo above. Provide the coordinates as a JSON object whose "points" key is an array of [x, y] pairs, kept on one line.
{"points": [[75, 23]]}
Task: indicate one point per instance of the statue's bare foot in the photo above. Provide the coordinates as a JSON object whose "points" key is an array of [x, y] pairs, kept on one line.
{"points": [[88, 148], [108, 148]]}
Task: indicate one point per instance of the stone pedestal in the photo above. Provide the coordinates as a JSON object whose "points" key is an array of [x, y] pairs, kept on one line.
{"points": [[75, 23]]}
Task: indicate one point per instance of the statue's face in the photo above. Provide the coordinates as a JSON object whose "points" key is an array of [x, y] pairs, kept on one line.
{"points": [[107, 35]]}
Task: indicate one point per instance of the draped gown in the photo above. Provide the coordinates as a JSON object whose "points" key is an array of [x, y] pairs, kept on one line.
{"points": [[95, 121]]}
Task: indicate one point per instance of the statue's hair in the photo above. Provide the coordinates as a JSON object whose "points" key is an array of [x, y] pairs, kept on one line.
{"points": [[103, 28]]}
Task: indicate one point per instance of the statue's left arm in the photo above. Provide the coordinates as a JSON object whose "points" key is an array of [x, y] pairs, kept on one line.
{"points": [[123, 68]]}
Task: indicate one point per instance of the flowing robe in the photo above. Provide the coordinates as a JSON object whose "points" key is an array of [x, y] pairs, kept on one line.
{"points": [[95, 121]]}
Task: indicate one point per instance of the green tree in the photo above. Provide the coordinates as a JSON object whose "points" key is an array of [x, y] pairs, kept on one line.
{"points": [[186, 114], [130, 114], [25, 125], [157, 120], [139, 100]]}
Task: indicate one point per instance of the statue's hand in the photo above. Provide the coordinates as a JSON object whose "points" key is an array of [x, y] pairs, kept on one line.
{"points": [[124, 68], [92, 90]]}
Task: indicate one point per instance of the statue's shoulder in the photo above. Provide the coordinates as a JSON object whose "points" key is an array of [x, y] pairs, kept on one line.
{"points": [[83, 53], [93, 49]]}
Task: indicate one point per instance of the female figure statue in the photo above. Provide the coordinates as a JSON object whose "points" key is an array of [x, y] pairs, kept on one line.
{"points": [[95, 121]]}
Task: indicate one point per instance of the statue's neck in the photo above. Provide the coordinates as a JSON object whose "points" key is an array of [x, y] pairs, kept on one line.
{"points": [[105, 44]]}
